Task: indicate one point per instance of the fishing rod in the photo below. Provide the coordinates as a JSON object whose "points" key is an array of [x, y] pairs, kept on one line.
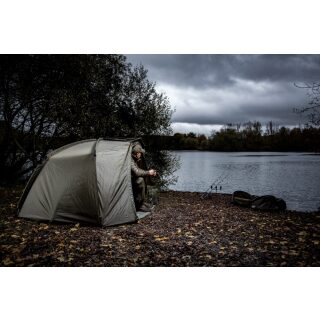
{"points": [[214, 182], [210, 190], [224, 175]]}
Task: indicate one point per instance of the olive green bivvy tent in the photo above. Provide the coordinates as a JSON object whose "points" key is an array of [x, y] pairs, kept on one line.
{"points": [[86, 181]]}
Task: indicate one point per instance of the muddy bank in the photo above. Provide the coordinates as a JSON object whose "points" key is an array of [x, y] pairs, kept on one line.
{"points": [[183, 230]]}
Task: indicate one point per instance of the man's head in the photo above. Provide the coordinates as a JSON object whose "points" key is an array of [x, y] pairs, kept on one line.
{"points": [[138, 151]]}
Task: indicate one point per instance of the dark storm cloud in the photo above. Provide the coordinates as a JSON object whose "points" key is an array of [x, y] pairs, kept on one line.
{"points": [[186, 70], [207, 70], [220, 89], [246, 101], [264, 115]]}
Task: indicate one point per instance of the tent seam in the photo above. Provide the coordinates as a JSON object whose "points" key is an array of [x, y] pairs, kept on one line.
{"points": [[97, 187], [130, 184]]}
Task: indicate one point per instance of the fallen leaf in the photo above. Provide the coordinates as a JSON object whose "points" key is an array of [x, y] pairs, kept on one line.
{"points": [[161, 239], [7, 261]]}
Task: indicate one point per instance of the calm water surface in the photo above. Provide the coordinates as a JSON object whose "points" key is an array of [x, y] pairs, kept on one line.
{"points": [[295, 177]]}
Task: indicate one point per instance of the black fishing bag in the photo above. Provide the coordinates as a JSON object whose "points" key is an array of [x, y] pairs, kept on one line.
{"points": [[242, 198], [267, 202]]}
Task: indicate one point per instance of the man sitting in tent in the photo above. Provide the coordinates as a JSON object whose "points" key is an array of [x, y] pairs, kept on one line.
{"points": [[138, 178]]}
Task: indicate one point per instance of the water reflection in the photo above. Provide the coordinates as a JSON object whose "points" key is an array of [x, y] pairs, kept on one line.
{"points": [[295, 177]]}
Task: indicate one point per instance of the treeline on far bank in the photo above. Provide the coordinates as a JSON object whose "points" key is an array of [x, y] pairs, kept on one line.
{"points": [[249, 139]]}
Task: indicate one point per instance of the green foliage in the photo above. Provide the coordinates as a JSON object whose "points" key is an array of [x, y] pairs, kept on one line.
{"points": [[165, 164], [250, 138], [49, 100], [226, 140]]}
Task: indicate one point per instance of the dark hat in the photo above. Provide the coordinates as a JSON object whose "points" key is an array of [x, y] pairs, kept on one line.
{"points": [[137, 148]]}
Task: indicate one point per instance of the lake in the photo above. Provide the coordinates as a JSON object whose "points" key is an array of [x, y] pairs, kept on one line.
{"points": [[292, 176]]}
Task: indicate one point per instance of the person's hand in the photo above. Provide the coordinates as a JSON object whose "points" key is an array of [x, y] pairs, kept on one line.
{"points": [[152, 172]]}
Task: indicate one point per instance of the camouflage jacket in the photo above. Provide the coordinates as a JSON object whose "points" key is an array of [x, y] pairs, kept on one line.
{"points": [[136, 170]]}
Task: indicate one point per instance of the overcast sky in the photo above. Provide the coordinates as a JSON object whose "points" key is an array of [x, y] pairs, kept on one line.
{"points": [[208, 91]]}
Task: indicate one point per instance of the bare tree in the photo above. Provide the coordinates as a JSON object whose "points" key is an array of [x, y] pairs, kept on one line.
{"points": [[313, 109], [271, 128]]}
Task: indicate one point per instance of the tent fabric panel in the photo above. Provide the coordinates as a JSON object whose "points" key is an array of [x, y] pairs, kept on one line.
{"points": [[40, 202], [78, 198], [29, 184], [142, 215], [75, 150], [65, 190], [113, 159]]}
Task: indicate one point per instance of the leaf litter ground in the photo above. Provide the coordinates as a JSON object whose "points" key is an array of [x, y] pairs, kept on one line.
{"points": [[183, 230]]}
